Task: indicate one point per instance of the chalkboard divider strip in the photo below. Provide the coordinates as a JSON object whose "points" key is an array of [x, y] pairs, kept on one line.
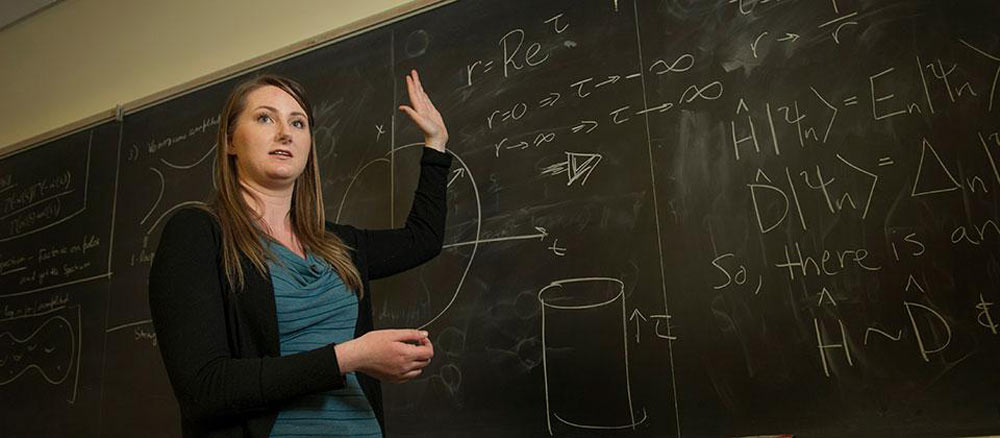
{"points": [[346, 31]]}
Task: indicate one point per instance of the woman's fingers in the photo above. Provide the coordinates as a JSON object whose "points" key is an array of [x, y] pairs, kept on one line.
{"points": [[421, 94], [422, 354], [422, 111], [410, 375], [415, 92], [411, 90], [416, 79], [420, 99], [426, 126], [426, 343], [414, 369], [393, 355], [409, 111]]}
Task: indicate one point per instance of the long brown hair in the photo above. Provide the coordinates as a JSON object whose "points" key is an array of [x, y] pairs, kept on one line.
{"points": [[241, 225]]}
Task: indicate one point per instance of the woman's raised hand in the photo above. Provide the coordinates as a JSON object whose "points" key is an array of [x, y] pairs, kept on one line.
{"points": [[423, 113]]}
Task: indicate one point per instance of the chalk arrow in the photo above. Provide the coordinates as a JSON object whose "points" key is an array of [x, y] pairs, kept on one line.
{"points": [[460, 172], [791, 37], [611, 80], [522, 145], [635, 313], [589, 125], [550, 100], [542, 233]]}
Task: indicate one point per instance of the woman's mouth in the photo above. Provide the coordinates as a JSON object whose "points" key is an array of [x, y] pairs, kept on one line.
{"points": [[284, 153]]}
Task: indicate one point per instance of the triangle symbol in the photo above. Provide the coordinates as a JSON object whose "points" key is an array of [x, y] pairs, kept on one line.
{"points": [[742, 106], [578, 169], [913, 281], [760, 173], [825, 293], [920, 167]]}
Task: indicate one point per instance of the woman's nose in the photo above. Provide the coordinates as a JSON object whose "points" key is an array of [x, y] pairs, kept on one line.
{"points": [[283, 136]]}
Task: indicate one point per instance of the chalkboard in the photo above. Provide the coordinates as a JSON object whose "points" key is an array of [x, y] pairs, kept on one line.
{"points": [[666, 218], [56, 233]]}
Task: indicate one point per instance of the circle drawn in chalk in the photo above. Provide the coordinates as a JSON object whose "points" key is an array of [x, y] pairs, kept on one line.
{"points": [[416, 43], [414, 298]]}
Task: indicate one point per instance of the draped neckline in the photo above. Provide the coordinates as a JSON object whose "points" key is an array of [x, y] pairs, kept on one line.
{"points": [[308, 273]]}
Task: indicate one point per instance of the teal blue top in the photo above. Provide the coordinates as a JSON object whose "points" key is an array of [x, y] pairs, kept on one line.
{"points": [[315, 308]]}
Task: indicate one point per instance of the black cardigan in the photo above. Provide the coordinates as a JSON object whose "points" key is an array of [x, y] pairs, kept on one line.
{"points": [[221, 348]]}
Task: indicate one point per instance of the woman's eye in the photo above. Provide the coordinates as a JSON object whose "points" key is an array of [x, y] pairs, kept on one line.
{"points": [[299, 124], [263, 118]]}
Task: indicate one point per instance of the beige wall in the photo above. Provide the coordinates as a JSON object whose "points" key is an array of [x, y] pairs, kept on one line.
{"points": [[82, 57]]}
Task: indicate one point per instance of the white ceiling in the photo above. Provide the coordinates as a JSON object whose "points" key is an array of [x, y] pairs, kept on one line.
{"points": [[11, 11]]}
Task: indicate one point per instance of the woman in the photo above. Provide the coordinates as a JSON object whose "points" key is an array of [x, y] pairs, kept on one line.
{"points": [[261, 307]]}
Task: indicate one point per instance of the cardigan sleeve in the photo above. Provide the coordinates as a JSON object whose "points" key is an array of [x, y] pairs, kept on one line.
{"points": [[391, 251], [186, 298]]}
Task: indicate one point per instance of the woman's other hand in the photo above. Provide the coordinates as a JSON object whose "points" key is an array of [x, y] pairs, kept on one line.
{"points": [[423, 113], [388, 355]]}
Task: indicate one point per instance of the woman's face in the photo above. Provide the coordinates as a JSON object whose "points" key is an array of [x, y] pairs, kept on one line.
{"points": [[271, 140]]}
